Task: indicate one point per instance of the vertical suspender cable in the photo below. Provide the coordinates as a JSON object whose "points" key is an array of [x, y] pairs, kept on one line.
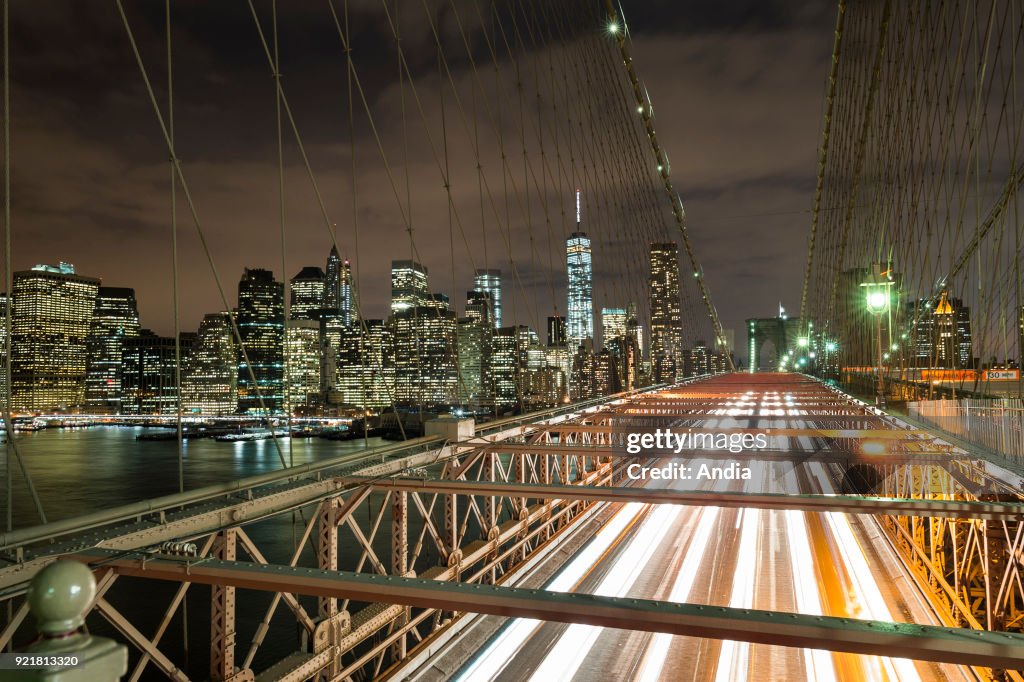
{"points": [[174, 252], [284, 261], [12, 446], [174, 291]]}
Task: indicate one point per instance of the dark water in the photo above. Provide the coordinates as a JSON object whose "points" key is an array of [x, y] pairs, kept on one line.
{"points": [[77, 471]]}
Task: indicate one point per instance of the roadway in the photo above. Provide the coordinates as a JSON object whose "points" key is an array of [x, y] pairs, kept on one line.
{"points": [[814, 563]]}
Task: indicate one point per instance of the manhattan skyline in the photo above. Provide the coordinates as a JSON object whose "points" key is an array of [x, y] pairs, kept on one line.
{"points": [[97, 119]]}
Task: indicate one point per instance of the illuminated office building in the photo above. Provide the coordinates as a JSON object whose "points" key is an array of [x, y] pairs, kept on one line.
{"points": [[698, 360], [209, 375], [489, 281], [582, 384], [261, 357], [556, 331], [302, 366], [52, 316], [426, 359], [613, 325], [666, 316], [478, 306], [115, 318], [580, 289], [3, 350], [503, 368], [474, 347], [149, 373], [942, 336], [307, 294], [408, 286], [338, 295]]}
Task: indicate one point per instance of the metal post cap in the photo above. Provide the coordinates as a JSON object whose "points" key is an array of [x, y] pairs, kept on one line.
{"points": [[59, 596]]}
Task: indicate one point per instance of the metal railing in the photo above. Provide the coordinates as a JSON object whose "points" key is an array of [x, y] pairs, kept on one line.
{"points": [[995, 424]]}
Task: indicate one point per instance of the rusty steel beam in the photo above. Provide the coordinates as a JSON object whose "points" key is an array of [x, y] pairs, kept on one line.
{"points": [[876, 638], [854, 504]]}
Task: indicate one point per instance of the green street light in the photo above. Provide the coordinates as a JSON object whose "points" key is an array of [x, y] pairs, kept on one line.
{"points": [[802, 342], [831, 346], [877, 300], [877, 297]]}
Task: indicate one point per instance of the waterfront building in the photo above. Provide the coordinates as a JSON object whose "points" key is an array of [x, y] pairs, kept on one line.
{"points": [[261, 355], [302, 366], [149, 373], [115, 318], [52, 317], [209, 376]]}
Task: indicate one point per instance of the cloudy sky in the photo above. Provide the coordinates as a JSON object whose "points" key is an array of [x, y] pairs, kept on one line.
{"points": [[737, 90]]}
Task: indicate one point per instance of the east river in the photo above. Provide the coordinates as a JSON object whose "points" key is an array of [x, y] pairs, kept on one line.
{"points": [[82, 470]]}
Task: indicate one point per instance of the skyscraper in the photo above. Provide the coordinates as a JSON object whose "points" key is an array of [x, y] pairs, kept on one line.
{"points": [[478, 306], [503, 368], [302, 370], [261, 326], [209, 376], [943, 334], [556, 330], [3, 350], [115, 318], [490, 281], [425, 355], [52, 314], [308, 292], [474, 348], [149, 373], [580, 290], [338, 287], [666, 317], [408, 285], [613, 326]]}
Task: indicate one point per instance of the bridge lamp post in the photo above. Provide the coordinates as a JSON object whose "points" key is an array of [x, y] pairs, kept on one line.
{"points": [[877, 298]]}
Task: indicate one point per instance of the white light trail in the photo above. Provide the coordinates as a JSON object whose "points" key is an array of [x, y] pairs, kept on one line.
{"points": [[818, 663], [734, 659], [657, 651], [564, 659], [498, 653]]}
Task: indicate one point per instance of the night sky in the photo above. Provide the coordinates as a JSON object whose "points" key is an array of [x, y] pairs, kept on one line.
{"points": [[737, 89]]}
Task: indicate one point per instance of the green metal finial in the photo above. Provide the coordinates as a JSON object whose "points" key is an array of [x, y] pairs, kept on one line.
{"points": [[60, 595]]}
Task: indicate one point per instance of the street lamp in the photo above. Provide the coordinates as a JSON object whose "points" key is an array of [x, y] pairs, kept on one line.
{"points": [[877, 297]]}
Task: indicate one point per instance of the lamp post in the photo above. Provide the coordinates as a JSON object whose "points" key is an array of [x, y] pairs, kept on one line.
{"points": [[877, 298]]}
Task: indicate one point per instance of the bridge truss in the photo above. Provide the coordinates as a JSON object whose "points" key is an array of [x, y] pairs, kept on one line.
{"points": [[401, 544]]}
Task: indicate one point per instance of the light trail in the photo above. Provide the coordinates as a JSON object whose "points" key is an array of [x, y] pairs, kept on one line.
{"points": [[571, 649], [869, 602], [500, 651], [734, 659], [657, 651], [817, 662]]}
